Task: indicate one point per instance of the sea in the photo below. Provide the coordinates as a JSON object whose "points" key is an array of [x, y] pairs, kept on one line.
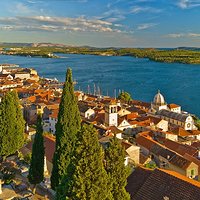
{"points": [[142, 78]]}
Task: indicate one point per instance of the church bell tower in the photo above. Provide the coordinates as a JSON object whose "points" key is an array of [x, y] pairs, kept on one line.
{"points": [[111, 115]]}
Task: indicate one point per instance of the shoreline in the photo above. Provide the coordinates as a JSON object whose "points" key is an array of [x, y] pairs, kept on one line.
{"points": [[156, 55]]}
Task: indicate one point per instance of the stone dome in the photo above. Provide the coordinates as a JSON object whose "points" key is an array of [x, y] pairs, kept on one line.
{"points": [[159, 99]]}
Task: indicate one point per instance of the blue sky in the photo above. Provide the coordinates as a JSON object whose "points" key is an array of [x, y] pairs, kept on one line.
{"points": [[102, 23]]}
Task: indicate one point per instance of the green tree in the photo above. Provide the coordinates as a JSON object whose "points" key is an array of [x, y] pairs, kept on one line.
{"points": [[125, 96], [69, 123], [117, 172], [196, 122], [89, 180], [12, 124], [36, 170], [151, 165]]}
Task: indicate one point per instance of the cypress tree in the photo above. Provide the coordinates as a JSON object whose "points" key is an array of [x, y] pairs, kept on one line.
{"points": [[89, 180], [12, 124], [66, 131], [36, 170], [20, 123], [118, 173]]}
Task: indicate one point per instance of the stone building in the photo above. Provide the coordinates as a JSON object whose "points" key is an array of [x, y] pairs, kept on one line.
{"points": [[180, 119], [111, 115], [158, 103]]}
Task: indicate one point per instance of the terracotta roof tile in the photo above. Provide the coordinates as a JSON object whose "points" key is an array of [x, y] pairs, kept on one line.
{"points": [[54, 114], [146, 142], [196, 144], [181, 149], [49, 143], [137, 179], [145, 185], [180, 161], [172, 105]]}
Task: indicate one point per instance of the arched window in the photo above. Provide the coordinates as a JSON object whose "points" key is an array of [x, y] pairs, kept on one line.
{"points": [[112, 110]]}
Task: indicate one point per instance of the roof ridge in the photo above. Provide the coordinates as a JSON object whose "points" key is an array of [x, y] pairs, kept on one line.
{"points": [[181, 177]]}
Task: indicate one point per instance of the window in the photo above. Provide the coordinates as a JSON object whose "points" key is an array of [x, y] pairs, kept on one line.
{"points": [[112, 110]]}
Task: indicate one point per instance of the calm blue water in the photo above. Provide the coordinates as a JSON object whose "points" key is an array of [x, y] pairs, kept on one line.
{"points": [[179, 83]]}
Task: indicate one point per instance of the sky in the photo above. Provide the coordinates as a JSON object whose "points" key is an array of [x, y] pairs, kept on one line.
{"points": [[102, 23]]}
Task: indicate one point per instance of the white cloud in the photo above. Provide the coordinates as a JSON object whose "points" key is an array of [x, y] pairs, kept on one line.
{"points": [[39, 1], [181, 35], [21, 8], [112, 15], [194, 34], [29, 1], [141, 9], [48, 23], [146, 26], [187, 4], [175, 35]]}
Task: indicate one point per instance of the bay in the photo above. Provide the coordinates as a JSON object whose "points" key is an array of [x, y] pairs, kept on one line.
{"points": [[179, 83]]}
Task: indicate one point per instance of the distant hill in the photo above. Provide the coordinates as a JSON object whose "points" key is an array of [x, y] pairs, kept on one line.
{"points": [[50, 45], [189, 48], [8, 44]]}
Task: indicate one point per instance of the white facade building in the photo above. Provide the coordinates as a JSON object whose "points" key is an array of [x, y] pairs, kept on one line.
{"points": [[183, 120], [158, 103]]}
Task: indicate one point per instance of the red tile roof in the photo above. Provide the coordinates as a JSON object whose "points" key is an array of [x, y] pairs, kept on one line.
{"points": [[181, 149], [156, 185], [137, 179], [145, 141], [125, 144], [196, 144], [54, 114], [49, 144], [181, 132], [172, 105]]}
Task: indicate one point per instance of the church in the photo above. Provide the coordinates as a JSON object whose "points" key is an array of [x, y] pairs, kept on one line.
{"points": [[171, 113]]}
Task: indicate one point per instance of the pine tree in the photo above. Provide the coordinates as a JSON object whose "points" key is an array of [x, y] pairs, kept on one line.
{"points": [[12, 124], [66, 131], [89, 180], [36, 170], [125, 97], [118, 173]]}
